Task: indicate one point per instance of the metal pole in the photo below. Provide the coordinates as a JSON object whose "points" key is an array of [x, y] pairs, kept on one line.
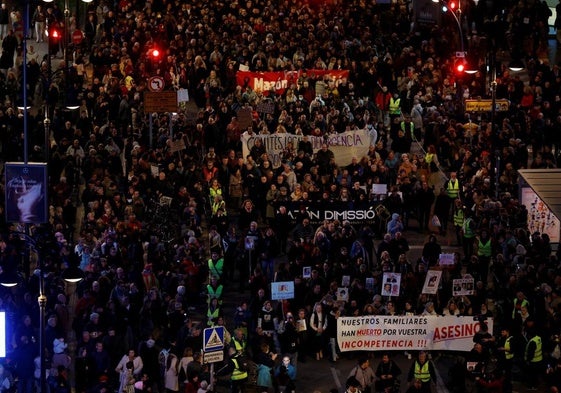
{"points": [[47, 127], [24, 54], [66, 30], [150, 129], [42, 299], [459, 27], [494, 136]]}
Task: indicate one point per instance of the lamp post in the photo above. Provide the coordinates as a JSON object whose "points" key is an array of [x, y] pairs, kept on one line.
{"points": [[456, 19], [71, 275]]}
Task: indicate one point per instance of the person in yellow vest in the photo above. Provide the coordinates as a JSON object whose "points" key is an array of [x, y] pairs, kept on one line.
{"points": [[484, 244], [468, 234], [431, 156], [505, 355], [215, 264], [408, 128], [458, 219], [214, 290], [519, 302], [533, 356], [395, 106], [422, 369], [238, 372], [213, 312], [453, 188], [239, 342]]}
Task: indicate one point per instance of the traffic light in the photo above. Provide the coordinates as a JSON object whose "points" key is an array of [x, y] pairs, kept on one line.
{"points": [[54, 39], [54, 34], [155, 54], [460, 66]]}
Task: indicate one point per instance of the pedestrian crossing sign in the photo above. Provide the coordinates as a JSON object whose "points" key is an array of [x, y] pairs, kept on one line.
{"points": [[213, 339]]}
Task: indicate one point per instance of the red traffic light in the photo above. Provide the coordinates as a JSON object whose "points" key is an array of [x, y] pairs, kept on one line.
{"points": [[54, 34], [460, 66]]}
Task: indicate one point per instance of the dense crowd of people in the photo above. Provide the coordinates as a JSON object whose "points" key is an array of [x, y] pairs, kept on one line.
{"points": [[161, 234]]}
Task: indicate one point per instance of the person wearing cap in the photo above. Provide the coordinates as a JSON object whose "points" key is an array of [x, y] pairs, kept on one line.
{"points": [[422, 369]]}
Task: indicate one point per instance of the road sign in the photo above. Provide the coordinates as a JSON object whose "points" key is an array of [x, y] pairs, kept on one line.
{"points": [[163, 101], [156, 83], [486, 105], [213, 339], [213, 357]]}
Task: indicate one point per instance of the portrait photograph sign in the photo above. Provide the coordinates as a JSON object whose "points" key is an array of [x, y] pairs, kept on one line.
{"points": [[431, 282], [463, 286], [26, 193], [391, 283], [282, 290]]}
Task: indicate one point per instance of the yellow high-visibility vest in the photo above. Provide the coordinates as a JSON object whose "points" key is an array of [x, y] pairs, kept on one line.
{"points": [[453, 188], [458, 218], [422, 372], [538, 354], [508, 353], [237, 374], [394, 106]]}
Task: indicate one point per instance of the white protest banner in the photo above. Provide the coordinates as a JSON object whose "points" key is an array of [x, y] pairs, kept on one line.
{"points": [[431, 282], [385, 332], [344, 146]]}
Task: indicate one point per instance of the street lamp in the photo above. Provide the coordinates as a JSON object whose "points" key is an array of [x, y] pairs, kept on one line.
{"points": [[446, 7], [10, 278]]}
